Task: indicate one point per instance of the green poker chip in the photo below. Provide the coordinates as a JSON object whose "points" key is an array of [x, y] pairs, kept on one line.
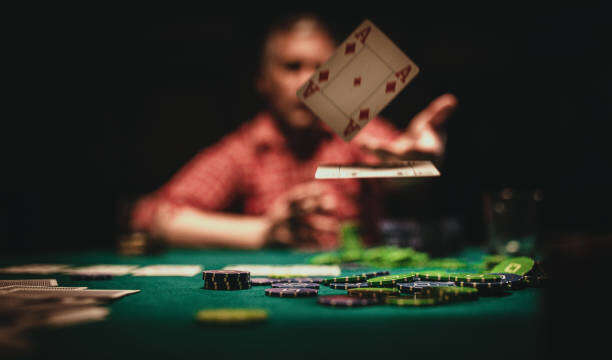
{"points": [[373, 292], [433, 275], [345, 279], [390, 280], [516, 265], [411, 301], [467, 277], [231, 316]]}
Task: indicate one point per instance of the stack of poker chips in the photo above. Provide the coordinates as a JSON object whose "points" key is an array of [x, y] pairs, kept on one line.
{"points": [[226, 280]]}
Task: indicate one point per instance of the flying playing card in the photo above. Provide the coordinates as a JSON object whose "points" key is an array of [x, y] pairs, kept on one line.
{"points": [[364, 74], [388, 170]]}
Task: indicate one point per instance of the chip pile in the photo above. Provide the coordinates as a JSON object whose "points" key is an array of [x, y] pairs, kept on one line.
{"points": [[430, 288], [226, 280]]}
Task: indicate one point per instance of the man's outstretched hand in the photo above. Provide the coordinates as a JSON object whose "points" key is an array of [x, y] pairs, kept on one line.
{"points": [[422, 135]]}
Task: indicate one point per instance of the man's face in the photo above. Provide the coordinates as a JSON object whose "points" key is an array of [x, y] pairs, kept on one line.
{"points": [[292, 59]]}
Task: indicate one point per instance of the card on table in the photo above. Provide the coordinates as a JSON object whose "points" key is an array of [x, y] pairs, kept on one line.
{"points": [[364, 74], [102, 294], [34, 269], [168, 270], [14, 288], [28, 282], [386, 170]]}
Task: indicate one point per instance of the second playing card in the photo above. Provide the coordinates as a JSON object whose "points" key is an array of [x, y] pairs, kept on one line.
{"points": [[364, 74]]}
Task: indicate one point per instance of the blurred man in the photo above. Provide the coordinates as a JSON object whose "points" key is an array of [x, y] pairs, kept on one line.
{"points": [[267, 166]]}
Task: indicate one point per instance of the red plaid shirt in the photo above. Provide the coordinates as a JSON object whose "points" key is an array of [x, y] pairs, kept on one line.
{"points": [[255, 165]]}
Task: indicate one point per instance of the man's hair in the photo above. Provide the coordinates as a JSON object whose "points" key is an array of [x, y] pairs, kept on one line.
{"points": [[290, 23]]}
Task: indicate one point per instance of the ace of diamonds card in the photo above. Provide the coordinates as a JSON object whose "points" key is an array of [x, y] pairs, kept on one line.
{"points": [[364, 74]]}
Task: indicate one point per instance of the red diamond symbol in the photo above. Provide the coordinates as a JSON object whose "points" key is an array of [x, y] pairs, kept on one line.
{"points": [[349, 49], [390, 87], [323, 76], [364, 114], [357, 81]]}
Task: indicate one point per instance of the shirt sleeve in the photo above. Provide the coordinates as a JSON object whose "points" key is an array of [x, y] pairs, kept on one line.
{"points": [[210, 181]]}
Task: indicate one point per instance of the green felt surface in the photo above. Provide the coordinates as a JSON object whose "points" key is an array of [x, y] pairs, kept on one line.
{"points": [[159, 321]]}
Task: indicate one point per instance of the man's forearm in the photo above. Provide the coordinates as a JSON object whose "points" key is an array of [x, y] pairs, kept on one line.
{"points": [[188, 227]]}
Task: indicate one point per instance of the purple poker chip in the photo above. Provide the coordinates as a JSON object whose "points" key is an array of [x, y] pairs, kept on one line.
{"points": [[346, 301], [296, 285], [285, 292], [303, 280], [262, 281]]}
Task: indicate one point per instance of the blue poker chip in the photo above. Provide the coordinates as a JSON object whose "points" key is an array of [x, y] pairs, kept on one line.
{"points": [[416, 287], [296, 285], [513, 281]]}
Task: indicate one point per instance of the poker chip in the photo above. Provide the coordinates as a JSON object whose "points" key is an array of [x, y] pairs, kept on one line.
{"points": [[231, 316], [226, 280], [433, 276], [346, 286], [85, 276], [390, 280], [226, 286], [467, 277], [300, 280], [513, 281], [226, 275], [516, 265], [410, 301], [263, 281], [421, 286], [377, 273], [453, 293], [354, 278], [535, 280], [373, 292], [346, 301], [483, 287], [229, 282], [296, 285], [285, 292], [345, 279]]}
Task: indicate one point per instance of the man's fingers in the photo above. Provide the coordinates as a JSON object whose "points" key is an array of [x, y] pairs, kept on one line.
{"points": [[321, 204], [323, 223], [433, 115]]}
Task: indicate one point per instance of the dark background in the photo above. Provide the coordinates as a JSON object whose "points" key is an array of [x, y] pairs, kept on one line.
{"points": [[112, 102]]}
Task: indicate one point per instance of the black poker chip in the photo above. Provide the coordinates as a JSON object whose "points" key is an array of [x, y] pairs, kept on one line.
{"points": [[513, 281], [418, 287], [346, 286], [226, 275], [296, 285]]}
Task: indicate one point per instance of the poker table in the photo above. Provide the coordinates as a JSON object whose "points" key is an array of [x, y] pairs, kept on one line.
{"points": [[158, 322]]}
